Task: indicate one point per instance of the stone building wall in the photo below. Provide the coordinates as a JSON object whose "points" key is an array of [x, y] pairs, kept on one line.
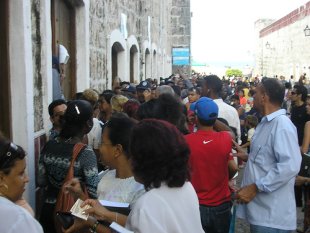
{"points": [[181, 29], [97, 40], [36, 55], [283, 48], [170, 26]]}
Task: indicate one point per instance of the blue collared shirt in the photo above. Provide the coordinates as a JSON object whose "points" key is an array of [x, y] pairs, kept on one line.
{"points": [[273, 164]]}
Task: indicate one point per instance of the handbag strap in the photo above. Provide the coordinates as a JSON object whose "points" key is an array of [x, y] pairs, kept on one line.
{"points": [[76, 150]]}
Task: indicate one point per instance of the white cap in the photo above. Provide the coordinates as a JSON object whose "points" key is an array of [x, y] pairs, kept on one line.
{"points": [[63, 54]]}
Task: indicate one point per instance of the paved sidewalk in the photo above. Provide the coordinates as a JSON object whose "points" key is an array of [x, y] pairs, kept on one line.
{"points": [[243, 227]]}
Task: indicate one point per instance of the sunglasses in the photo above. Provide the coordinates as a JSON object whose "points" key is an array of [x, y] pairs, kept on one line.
{"points": [[11, 153]]}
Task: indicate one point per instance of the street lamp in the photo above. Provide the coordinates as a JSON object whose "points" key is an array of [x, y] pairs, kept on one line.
{"points": [[268, 46], [307, 31]]}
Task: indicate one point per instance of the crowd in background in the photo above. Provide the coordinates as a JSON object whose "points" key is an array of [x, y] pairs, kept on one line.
{"points": [[143, 145]]}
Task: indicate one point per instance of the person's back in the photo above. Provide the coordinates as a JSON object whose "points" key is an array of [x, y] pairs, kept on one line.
{"points": [[208, 162], [56, 155], [162, 211], [209, 165], [160, 161], [212, 88], [54, 164]]}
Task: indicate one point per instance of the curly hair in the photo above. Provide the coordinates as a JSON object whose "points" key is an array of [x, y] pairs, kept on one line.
{"points": [[91, 96], [117, 102], [159, 153], [131, 108], [166, 107]]}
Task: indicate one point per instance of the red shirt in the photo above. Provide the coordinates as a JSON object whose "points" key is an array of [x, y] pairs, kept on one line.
{"points": [[209, 165]]}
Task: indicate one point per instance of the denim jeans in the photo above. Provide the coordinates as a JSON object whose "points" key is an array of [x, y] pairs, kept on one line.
{"points": [[215, 219], [261, 229]]}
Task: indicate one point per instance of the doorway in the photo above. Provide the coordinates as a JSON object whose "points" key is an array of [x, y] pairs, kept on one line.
{"points": [[63, 32], [5, 108]]}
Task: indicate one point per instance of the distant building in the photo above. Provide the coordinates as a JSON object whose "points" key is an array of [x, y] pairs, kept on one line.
{"points": [[282, 47]]}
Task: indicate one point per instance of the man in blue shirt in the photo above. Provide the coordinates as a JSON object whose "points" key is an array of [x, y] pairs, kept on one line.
{"points": [[266, 198]]}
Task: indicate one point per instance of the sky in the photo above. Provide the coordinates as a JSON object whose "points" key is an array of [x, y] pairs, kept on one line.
{"points": [[223, 30]]}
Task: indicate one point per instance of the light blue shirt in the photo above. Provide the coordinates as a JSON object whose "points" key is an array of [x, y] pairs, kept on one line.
{"points": [[273, 164]]}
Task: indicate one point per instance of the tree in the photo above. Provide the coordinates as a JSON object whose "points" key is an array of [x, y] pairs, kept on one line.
{"points": [[233, 72]]}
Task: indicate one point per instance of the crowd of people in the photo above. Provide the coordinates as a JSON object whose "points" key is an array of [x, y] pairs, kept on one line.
{"points": [[172, 148]]}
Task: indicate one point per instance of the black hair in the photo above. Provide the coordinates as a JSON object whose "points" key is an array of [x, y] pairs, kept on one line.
{"points": [[77, 115], [251, 92], [234, 97], [206, 122], [120, 126], [146, 110], [214, 83], [9, 154], [167, 107], [241, 91], [195, 89], [274, 89], [78, 96], [301, 89], [159, 153], [177, 90], [288, 85], [223, 120], [107, 95], [54, 104]]}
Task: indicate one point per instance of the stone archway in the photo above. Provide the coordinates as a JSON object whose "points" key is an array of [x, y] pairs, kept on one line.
{"points": [[148, 64], [133, 63], [117, 61], [134, 59]]}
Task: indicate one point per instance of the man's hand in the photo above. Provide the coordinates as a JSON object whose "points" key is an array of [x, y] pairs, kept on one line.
{"points": [[240, 152], [300, 180], [246, 194]]}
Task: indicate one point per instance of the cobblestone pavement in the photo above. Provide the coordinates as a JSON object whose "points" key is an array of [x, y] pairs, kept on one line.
{"points": [[243, 227]]}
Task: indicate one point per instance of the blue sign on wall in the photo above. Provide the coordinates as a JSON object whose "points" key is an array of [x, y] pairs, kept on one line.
{"points": [[180, 56]]}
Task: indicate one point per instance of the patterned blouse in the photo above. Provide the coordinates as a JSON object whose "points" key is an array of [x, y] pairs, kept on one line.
{"points": [[54, 163]]}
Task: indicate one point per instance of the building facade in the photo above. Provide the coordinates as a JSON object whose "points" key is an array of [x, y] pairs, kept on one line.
{"points": [[282, 47], [130, 40]]}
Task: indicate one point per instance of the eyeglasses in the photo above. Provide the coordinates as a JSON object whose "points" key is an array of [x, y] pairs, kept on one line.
{"points": [[11, 153]]}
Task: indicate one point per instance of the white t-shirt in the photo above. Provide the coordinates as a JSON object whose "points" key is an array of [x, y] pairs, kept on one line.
{"points": [[230, 114], [94, 136], [250, 134], [165, 209], [115, 189], [15, 219]]}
